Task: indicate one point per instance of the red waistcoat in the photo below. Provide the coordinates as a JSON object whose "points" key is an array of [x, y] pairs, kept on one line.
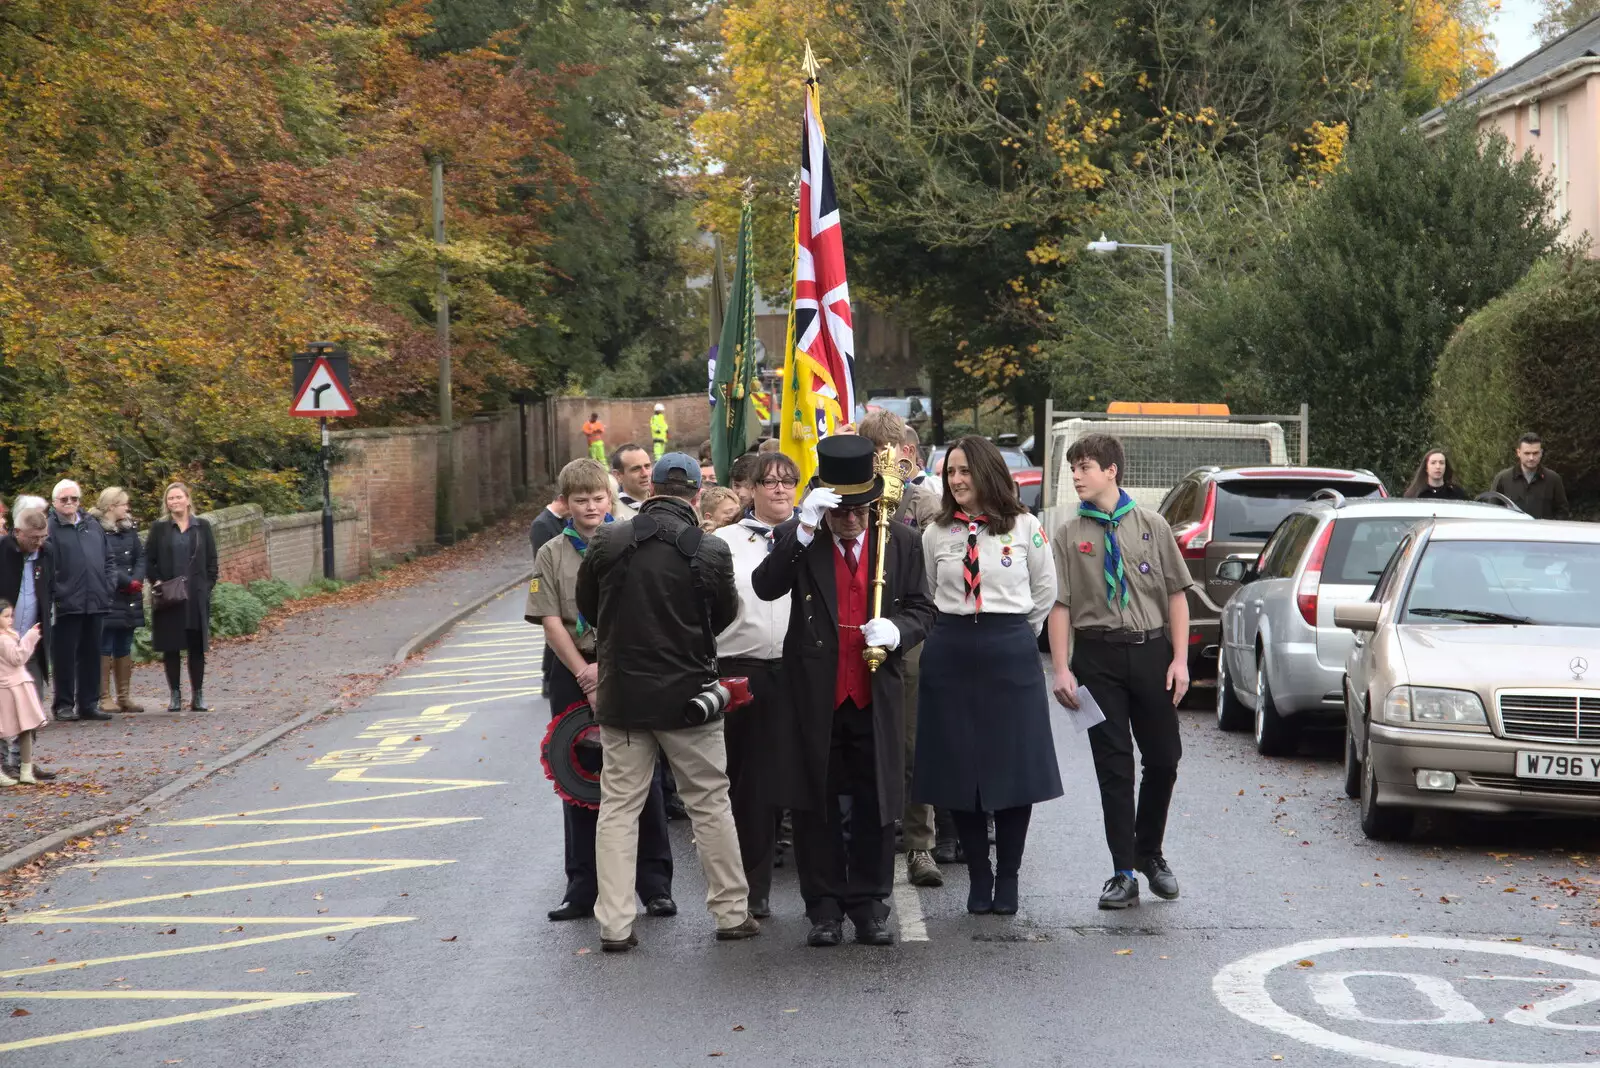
{"points": [[852, 679]]}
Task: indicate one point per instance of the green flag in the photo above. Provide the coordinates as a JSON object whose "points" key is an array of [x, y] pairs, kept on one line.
{"points": [[735, 358]]}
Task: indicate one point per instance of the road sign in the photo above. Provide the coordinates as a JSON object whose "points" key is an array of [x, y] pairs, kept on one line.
{"points": [[322, 395]]}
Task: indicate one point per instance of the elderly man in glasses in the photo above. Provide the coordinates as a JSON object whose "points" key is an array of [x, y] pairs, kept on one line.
{"points": [[85, 577]]}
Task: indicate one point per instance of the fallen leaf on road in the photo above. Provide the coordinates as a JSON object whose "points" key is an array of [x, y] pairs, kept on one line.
{"points": [[1306, 964], [1510, 890], [21, 1012], [1277, 1056], [330, 938], [230, 930], [791, 1010], [170, 930], [1444, 900], [1124, 952], [303, 973], [1518, 938], [1241, 793], [719, 1053], [452, 938], [252, 971], [582, 952], [738, 1027]]}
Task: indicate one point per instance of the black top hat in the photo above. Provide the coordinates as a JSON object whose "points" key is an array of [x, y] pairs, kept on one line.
{"points": [[847, 464]]}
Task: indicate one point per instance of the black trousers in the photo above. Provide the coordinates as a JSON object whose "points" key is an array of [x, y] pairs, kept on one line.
{"points": [[172, 659], [845, 853], [1129, 684], [653, 869], [749, 754], [75, 660]]}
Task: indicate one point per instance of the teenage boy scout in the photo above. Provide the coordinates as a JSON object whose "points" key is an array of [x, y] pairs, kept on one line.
{"points": [[1122, 615], [571, 675]]}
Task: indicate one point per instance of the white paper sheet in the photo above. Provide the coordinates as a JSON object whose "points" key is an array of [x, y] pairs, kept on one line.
{"points": [[1087, 714]]}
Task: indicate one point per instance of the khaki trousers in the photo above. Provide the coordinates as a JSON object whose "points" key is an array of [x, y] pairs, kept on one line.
{"points": [[699, 761], [916, 822]]}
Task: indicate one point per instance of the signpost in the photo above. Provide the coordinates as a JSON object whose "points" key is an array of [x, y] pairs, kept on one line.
{"points": [[322, 392]]}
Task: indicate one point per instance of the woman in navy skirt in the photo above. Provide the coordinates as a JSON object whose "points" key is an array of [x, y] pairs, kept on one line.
{"points": [[983, 714]]}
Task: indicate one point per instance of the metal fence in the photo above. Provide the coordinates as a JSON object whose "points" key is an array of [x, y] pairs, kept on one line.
{"points": [[1160, 450]]}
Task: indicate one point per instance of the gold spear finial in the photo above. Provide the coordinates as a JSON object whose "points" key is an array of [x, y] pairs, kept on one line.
{"points": [[748, 188], [810, 64]]}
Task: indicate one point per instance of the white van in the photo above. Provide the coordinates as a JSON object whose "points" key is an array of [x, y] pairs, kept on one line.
{"points": [[1159, 452]]}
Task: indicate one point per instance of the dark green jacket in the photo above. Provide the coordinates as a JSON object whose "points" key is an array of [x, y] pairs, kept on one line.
{"points": [[1543, 498]]}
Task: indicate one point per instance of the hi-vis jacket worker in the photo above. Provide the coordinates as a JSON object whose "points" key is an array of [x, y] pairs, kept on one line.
{"points": [[594, 431], [658, 430]]}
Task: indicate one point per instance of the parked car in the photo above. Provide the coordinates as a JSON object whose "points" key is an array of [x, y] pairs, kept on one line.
{"points": [[1030, 484], [1281, 658], [1227, 513], [1474, 681]]}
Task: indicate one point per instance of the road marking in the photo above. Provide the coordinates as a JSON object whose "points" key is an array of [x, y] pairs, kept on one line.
{"points": [[254, 1001], [908, 904], [1241, 987]]}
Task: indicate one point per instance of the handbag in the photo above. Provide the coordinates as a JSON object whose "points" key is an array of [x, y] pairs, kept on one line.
{"points": [[172, 592]]}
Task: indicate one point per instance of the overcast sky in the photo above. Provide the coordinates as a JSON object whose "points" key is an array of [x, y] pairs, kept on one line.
{"points": [[1513, 30]]}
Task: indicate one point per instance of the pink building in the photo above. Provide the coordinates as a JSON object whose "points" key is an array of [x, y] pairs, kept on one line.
{"points": [[1548, 103]]}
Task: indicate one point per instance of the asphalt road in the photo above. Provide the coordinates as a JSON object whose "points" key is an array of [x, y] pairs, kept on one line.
{"points": [[371, 892]]}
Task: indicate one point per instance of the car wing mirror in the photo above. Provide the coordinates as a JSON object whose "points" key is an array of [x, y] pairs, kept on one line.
{"points": [[1359, 616], [1235, 571]]}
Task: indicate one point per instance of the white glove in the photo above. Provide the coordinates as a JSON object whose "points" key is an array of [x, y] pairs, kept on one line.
{"points": [[818, 501], [882, 633]]}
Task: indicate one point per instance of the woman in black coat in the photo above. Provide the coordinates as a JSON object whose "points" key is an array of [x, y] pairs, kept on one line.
{"points": [[126, 612], [182, 546], [1435, 478]]}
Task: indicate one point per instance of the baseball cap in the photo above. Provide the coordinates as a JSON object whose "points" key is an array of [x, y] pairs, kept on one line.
{"points": [[676, 467]]}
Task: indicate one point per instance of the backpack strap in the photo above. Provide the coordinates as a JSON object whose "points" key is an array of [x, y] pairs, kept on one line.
{"points": [[687, 544]]}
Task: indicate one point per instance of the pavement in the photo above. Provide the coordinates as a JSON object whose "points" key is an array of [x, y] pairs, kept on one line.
{"points": [[371, 891], [319, 654]]}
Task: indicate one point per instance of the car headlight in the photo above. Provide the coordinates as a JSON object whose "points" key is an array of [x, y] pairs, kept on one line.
{"points": [[1425, 706]]}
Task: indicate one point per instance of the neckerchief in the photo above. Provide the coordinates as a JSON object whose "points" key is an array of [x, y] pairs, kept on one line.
{"points": [[1116, 581], [969, 566], [576, 541]]}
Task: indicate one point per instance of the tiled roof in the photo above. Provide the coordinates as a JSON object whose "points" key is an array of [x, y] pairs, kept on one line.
{"points": [[1580, 42]]}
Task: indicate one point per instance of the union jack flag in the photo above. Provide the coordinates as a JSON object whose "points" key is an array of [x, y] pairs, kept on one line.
{"points": [[820, 373]]}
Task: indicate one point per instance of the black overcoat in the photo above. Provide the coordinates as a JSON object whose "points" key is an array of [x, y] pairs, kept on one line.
{"points": [[168, 626], [811, 657], [12, 561]]}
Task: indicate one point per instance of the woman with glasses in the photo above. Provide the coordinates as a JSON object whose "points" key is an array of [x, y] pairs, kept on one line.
{"points": [[983, 718]]}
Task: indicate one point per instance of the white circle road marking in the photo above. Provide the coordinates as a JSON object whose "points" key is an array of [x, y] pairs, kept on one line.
{"points": [[1242, 989]]}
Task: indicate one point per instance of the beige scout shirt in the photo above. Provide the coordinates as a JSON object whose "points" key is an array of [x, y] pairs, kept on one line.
{"points": [[553, 590], [919, 507], [1150, 559], [1015, 570]]}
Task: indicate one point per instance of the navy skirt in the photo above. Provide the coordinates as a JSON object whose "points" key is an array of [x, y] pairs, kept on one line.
{"points": [[983, 717]]}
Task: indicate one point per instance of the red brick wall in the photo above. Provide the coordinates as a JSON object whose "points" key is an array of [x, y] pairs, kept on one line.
{"points": [[390, 477], [241, 543], [688, 423]]}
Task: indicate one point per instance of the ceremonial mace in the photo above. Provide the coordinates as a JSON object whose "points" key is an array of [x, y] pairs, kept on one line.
{"points": [[896, 471]]}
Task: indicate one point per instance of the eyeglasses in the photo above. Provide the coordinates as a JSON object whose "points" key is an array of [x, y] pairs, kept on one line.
{"points": [[776, 483], [854, 509], [69, 500]]}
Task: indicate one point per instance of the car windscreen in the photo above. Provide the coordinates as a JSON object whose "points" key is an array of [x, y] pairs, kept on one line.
{"points": [[1551, 584], [1251, 508], [1029, 495], [1359, 548], [1015, 458], [1163, 461]]}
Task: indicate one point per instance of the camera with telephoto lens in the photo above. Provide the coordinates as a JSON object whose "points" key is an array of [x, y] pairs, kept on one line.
{"points": [[722, 696]]}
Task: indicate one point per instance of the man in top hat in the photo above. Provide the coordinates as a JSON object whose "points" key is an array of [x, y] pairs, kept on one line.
{"points": [[845, 722]]}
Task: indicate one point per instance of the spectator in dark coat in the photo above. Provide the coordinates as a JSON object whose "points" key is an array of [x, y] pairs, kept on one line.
{"points": [[85, 578], [182, 546], [1535, 488], [127, 600], [27, 580]]}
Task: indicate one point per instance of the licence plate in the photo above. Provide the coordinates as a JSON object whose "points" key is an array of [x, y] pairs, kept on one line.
{"points": [[1575, 767]]}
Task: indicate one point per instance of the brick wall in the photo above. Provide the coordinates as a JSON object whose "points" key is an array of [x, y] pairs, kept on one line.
{"points": [[688, 423], [294, 546], [241, 543], [390, 477]]}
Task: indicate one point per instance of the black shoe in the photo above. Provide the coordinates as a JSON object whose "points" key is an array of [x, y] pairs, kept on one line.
{"points": [[1163, 883], [661, 906], [825, 933], [199, 703], [980, 890], [675, 809], [176, 703], [1120, 892], [65, 715], [39, 774], [619, 945], [94, 713], [944, 852], [1005, 895], [874, 932], [760, 908], [748, 929], [569, 911], [11, 771]]}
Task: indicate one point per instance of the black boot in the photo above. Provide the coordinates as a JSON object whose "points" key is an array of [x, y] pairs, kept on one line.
{"points": [[176, 704], [972, 828], [1011, 835], [199, 702]]}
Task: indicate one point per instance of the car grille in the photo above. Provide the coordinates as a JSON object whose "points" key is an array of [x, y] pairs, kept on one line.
{"points": [[1551, 716], [1535, 786]]}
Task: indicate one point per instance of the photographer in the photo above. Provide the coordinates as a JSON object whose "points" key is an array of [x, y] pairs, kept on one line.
{"points": [[658, 590]]}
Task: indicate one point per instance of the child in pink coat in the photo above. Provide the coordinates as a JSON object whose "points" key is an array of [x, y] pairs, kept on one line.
{"points": [[20, 711]]}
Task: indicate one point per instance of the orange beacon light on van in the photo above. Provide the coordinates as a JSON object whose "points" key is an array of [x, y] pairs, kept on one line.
{"points": [[1164, 408]]}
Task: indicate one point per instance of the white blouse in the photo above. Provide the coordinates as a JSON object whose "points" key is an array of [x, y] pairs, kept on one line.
{"points": [[1017, 574]]}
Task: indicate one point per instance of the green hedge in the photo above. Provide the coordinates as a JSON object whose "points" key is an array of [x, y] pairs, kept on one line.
{"points": [[1528, 360]]}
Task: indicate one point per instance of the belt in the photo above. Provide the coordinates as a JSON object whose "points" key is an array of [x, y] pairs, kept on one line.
{"points": [[1112, 636]]}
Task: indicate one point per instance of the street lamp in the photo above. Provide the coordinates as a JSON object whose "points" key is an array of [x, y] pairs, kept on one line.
{"points": [[1105, 246]]}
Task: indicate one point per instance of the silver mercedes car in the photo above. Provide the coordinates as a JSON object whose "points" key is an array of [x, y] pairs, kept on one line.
{"points": [[1474, 681]]}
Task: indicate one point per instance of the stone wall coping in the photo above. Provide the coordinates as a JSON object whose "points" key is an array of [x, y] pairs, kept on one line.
{"points": [[295, 520], [387, 432], [233, 515]]}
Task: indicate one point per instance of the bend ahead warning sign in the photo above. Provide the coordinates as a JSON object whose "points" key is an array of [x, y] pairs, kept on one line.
{"points": [[322, 396]]}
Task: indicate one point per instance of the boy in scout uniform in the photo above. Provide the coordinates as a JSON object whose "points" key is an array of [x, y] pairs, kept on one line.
{"points": [[1122, 615], [570, 679]]}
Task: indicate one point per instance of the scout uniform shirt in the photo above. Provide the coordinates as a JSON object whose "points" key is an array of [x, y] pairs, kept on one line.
{"points": [[1017, 575], [554, 590], [919, 507], [1150, 561]]}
